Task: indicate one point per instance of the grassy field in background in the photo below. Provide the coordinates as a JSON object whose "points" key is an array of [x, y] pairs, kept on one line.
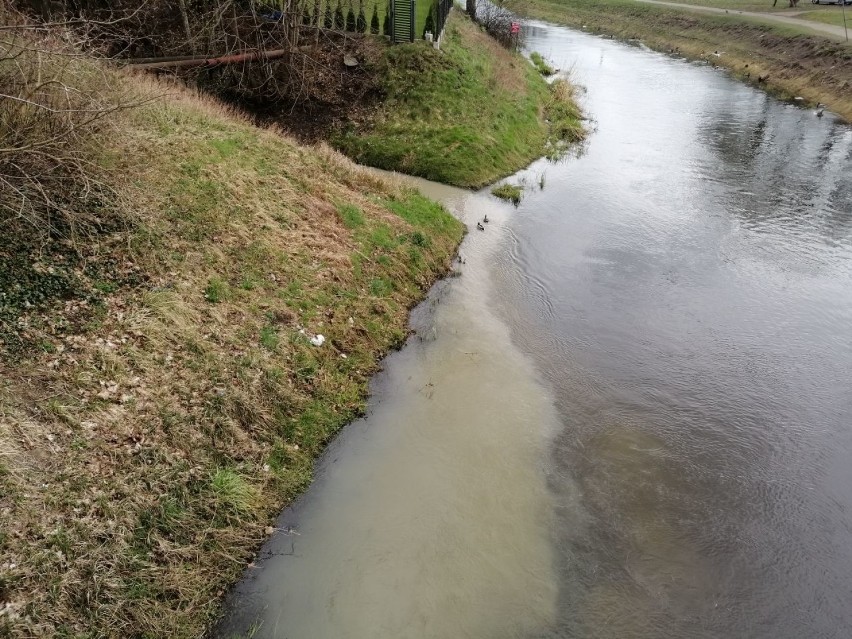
{"points": [[829, 15], [806, 10], [380, 7], [763, 6], [466, 115], [784, 60]]}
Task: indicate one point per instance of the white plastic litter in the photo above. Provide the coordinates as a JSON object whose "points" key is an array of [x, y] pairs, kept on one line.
{"points": [[318, 340]]}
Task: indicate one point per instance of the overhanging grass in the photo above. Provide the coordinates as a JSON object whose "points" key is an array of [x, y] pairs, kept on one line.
{"points": [[510, 192], [541, 64], [466, 115]]}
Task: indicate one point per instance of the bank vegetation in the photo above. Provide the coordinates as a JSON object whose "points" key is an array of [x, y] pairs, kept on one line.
{"points": [[467, 114], [166, 270]]}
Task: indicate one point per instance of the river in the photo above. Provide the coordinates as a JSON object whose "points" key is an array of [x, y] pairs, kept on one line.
{"points": [[630, 416]]}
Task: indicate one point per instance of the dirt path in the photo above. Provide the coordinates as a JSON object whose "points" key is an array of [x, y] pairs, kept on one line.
{"points": [[813, 27]]}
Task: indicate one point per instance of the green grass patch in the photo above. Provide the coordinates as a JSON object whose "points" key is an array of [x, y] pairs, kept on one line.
{"points": [[381, 287], [351, 215], [510, 192], [466, 115], [423, 213], [217, 290], [232, 492], [541, 64], [269, 338]]}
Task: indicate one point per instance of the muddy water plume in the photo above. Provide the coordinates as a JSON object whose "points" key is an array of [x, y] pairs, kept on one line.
{"points": [[430, 517]]}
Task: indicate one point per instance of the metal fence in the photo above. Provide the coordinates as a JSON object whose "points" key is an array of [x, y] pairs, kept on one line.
{"points": [[403, 20], [437, 17], [399, 20]]}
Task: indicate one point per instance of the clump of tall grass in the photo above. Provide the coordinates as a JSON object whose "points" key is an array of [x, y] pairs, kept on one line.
{"points": [[541, 64], [510, 192], [564, 117]]}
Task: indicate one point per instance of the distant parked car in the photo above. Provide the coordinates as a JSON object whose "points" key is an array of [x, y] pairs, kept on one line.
{"points": [[846, 2]]}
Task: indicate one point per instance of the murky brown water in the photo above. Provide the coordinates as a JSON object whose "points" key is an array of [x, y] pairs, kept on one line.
{"points": [[430, 517], [631, 417]]}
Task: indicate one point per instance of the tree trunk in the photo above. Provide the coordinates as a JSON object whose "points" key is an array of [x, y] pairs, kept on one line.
{"points": [[184, 14]]}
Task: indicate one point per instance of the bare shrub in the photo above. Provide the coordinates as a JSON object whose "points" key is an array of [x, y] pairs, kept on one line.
{"points": [[53, 103], [281, 54], [497, 22]]}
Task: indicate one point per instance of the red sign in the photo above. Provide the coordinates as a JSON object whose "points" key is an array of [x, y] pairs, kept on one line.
{"points": [[516, 27]]}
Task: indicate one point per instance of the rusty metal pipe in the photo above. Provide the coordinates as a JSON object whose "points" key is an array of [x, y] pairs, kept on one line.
{"points": [[195, 61]]}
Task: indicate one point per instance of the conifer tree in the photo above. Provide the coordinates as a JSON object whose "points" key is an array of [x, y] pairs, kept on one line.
{"points": [[387, 23], [361, 20], [339, 20], [430, 25], [374, 21], [351, 23]]}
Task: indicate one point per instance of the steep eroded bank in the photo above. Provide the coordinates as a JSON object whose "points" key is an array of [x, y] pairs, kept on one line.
{"points": [[162, 393]]}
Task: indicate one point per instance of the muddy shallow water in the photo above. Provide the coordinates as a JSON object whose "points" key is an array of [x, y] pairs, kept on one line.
{"points": [[431, 516], [631, 416]]}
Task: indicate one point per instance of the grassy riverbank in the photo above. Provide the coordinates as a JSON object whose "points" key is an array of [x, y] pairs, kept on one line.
{"points": [[782, 59], [466, 115], [160, 398]]}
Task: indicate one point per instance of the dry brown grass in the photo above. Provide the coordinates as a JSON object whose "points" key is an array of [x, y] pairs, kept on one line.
{"points": [[508, 68], [153, 423], [53, 107]]}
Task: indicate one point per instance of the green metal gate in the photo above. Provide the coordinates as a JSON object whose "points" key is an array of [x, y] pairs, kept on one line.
{"points": [[403, 17]]}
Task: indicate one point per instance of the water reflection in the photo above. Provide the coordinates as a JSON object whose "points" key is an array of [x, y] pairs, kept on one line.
{"points": [[785, 165], [686, 288]]}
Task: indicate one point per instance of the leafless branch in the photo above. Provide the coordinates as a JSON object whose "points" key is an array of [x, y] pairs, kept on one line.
{"points": [[53, 106], [76, 22]]}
